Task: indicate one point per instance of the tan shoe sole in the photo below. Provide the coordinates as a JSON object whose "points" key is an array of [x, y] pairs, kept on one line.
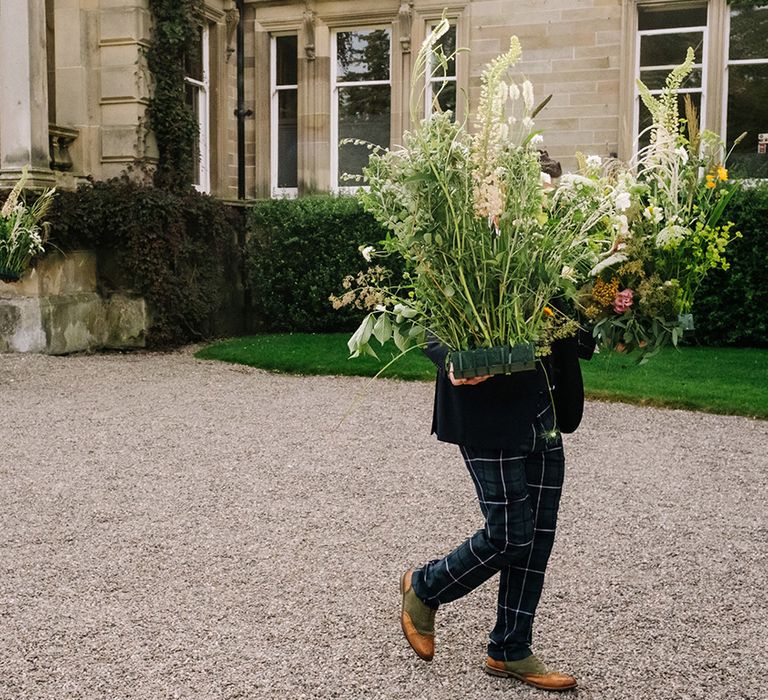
{"points": [[409, 630], [536, 681]]}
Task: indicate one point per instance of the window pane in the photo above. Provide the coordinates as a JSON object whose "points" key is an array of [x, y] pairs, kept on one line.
{"points": [[364, 113], [362, 55], [669, 49], [747, 111], [656, 79], [448, 44], [287, 60], [749, 33], [663, 18], [287, 138], [193, 60]]}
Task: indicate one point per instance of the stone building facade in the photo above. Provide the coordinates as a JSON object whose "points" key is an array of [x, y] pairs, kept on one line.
{"points": [[74, 84]]}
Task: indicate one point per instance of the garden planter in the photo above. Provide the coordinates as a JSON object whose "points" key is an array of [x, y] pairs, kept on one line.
{"points": [[495, 360]]}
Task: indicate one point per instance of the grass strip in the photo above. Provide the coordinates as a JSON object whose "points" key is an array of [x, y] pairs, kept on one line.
{"points": [[715, 380]]}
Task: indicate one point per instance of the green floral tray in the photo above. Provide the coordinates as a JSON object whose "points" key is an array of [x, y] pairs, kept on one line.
{"points": [[495, 360]]}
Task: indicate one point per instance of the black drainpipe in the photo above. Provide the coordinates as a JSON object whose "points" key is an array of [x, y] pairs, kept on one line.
{"points": [[240, 112]]}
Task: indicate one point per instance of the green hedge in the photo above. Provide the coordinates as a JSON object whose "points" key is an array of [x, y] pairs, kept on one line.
{"points": [[176, 249], [296, 257], [732, 306]]}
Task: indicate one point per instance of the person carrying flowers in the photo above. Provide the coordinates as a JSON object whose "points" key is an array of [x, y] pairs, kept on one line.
{"points": [[508, 430]]}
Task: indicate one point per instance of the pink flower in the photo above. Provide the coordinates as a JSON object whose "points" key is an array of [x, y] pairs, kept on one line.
{"points": [[622, 301]]}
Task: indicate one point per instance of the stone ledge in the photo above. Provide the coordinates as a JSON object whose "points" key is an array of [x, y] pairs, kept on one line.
{"points": [[56, 309]]}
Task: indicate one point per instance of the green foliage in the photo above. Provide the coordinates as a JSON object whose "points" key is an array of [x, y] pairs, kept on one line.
{"points": [[731, 307], [176, 36], [298, 253], [176, 249]]}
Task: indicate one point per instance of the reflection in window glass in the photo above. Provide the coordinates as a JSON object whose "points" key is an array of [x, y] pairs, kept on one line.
{"points": [[285, 111], [653, 17], [441, 82], [747, 107], [363, 97], [362, 55]]}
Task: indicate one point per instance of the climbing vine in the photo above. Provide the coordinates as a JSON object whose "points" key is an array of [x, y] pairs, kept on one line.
{"points": [[176, 35]]}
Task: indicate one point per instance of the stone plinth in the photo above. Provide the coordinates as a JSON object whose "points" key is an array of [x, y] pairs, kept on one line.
{"points": [[56, 309]]}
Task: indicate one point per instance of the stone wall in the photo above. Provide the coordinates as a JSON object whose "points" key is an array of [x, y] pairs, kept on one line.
{"points": [[56, 308]]}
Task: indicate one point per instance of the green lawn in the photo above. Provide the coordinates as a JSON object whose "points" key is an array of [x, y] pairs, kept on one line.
{"points": [[717, 380]]}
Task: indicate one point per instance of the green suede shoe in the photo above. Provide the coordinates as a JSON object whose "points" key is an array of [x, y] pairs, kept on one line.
{"points": [[532, 671], [417, 620]]}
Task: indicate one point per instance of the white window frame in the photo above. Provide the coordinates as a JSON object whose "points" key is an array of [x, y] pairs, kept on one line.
{"points": [[274, 89], [204, 112], [334, 164], [726, 73], [428, 94], [703, 66]]}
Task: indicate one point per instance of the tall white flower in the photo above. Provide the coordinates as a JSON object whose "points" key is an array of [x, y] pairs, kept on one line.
{"points": [[594, 161], [528, 95]]}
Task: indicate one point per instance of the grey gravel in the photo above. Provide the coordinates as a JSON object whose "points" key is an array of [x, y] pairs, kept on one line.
{"points": [[173, 528]]}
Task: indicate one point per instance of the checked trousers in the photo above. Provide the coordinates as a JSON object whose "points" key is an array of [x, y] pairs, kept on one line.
{"points": [[519, 495]]}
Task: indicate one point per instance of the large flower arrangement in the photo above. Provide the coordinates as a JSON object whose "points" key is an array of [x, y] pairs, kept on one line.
{"points": [[667, 230], [496, 258], [22, 236], [470, 215]]}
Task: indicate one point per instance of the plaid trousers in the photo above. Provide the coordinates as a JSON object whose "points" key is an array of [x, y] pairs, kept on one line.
{"points": [[519, 495]]}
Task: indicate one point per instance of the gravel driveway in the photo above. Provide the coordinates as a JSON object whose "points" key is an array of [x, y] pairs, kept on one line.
{"points": [[173, 528]]}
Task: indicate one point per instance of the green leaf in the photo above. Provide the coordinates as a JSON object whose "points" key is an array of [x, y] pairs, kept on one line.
{"points": [[359, 341], [401, 341], [382, 329]]}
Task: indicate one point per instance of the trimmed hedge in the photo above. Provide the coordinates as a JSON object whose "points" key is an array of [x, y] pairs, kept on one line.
{"points": [[731, 306], [297, 255], [177, 249]]}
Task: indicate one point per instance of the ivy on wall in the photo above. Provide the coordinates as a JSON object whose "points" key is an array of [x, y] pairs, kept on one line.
{"points": [[176, 35]]}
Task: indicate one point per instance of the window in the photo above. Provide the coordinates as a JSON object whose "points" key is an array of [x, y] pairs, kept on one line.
{"points": [[197, 97], [284, 119], [361, 98], [664, 35], [442, 86], [746, 107]]}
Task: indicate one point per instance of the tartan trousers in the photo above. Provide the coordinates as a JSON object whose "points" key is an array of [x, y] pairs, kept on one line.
{"points": [[519, 495]]}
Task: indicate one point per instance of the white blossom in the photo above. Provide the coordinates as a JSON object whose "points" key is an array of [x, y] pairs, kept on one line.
{"points": [[622, 201], [367, 252], [537, 140], [654, 214], [682, 153], [594, 161]]}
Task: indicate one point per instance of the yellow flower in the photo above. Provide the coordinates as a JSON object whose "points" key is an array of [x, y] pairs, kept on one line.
{"points": [[710, 184], [722, 173]]}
